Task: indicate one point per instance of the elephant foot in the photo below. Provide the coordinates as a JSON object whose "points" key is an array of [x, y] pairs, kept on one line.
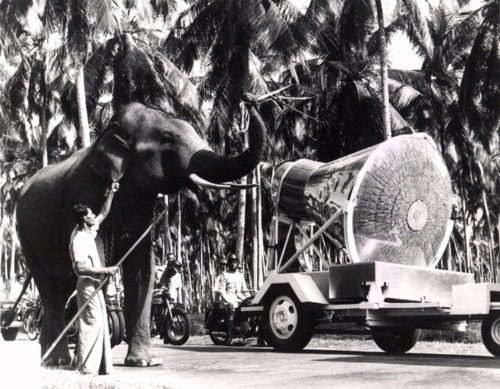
{"points": [[56, 361], [142, 359]]}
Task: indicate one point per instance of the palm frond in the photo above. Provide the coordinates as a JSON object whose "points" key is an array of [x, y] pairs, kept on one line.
{"points": [[416, 27], [78, 31], [16, 87], [189, 40], [414, 78], [480, 88], [403, 96], [357, 24], [183, 93], [97, 71], [56, 15], [165, 8], [108, 14], [144, 11], [136, 78]]}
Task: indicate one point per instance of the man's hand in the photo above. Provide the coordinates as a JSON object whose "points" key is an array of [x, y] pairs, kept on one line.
{"points": [[115, 186], [111, 270]]}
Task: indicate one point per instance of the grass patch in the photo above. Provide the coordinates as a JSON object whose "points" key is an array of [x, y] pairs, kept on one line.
{"points": [[54, 378]]}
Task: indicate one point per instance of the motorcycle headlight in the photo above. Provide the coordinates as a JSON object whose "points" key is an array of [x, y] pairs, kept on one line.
{"points": [[111, 291]]}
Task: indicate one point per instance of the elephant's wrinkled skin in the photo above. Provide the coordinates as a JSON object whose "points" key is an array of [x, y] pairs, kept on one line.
{"points": [[149, 153]]}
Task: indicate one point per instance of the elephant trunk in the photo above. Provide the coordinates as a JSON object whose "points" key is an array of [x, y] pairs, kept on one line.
{"points": [[218, 168]]}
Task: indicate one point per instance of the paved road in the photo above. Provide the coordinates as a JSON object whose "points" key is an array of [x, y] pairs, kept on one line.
{"points": [[209, 366], [254, 367]]}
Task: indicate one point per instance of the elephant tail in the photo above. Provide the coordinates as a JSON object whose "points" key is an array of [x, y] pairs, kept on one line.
{"points": [[9, 316]]}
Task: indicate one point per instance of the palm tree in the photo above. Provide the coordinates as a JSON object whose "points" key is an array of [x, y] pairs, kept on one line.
{"points": [[443, 97], [231, 40], [383, 70], [338, 87]]}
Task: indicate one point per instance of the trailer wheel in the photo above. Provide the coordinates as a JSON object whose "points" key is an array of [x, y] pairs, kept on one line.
{"points": [[395, 340], [288, 327], [490, 332]]}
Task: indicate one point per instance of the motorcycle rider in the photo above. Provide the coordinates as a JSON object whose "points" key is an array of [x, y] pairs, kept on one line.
{"points": [[233, 289], [171, 278], [171, 284], [223, 266]]}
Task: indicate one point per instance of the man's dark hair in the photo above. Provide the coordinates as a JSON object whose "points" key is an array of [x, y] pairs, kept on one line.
{"points": [[79, 212]]}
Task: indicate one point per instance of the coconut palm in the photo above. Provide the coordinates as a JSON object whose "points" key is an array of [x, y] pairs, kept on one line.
{"points": [[339, 84], [232, 40], [443, 98]]}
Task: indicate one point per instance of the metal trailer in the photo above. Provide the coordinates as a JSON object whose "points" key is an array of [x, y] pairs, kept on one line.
{"points": [[393, 302], [357, 240]]}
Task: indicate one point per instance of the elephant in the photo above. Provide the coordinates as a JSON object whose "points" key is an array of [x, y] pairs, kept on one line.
{"points": [[149, 152]]}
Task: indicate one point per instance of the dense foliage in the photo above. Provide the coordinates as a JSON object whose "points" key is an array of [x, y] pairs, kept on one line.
{"points": [[67, 66]]}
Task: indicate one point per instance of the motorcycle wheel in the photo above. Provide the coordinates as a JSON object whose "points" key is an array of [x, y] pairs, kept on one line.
{"points": [[217, 339], [29, 324], [177, 328], [116, 327], [121, 319]]}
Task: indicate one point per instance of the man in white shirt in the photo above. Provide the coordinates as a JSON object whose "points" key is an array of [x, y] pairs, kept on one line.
{"points": [[171, 279], [93, 350], [233, 290]]}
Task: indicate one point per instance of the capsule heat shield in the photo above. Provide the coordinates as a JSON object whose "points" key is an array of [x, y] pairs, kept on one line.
{"points": [[394, 200]]}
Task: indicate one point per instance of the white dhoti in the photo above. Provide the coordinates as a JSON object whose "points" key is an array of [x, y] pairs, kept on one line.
{"points": [[93, 351]]}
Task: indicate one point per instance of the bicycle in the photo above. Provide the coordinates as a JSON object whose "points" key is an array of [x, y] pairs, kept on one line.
{"points": [[32, 320]]}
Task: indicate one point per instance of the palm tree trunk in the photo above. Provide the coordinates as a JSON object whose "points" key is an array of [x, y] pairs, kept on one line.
{"points": [[260, 240], [84, 130], [242, 200], [179, 225], [383, 70], [255, 234], [44, 121], [240, 227], [167, 238], [201, 277], [490, 239], [468, 258], [13, 253], [240, 232]]}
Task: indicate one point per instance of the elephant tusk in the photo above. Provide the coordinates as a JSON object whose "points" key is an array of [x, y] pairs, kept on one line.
{"points": [[196, 179]]}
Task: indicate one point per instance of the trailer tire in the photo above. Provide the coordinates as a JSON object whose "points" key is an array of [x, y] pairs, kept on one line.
{"points": [[287, 323], [395, 340], [490, 333]]}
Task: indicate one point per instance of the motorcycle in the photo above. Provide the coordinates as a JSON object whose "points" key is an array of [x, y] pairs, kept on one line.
{"points": [[245, 325], [171, 321], [33, 317]]}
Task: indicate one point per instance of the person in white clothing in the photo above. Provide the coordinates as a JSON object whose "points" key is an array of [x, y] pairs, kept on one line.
{"points": [[171, 279], [93, 350], [233, 290]]}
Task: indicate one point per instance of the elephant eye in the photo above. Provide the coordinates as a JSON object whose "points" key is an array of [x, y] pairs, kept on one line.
{"points": [[165, 139]]}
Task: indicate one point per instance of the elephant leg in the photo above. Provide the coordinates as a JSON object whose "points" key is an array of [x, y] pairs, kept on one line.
{"points": [[138, 285], [54, 302]]}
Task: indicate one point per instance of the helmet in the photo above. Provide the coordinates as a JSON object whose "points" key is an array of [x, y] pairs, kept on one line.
{"points": [[232, 258], [175, 265]]}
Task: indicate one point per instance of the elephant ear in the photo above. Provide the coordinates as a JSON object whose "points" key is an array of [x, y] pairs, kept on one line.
{"points": [[111, 153]]}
